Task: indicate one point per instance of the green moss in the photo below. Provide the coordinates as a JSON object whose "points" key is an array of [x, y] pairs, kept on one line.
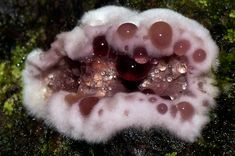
{"points": [[230, 36], [171, 154], [232, 14], [8, 106]]}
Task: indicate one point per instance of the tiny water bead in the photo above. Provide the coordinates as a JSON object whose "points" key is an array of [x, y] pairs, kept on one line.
{"points": [[181, 47], [199, 55], [87, 104], [128, 69], [100, 46], [127, 30], [140, 55], [160, 34]]}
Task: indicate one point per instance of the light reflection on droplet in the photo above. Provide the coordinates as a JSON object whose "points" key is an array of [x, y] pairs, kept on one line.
{"points": [[169, 79], [182, 68], [162, 67], [184, 86]]}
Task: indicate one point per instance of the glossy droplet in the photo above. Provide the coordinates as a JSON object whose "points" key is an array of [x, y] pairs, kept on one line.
{"points": [[130, 70], [184, 86], [127, 30], [162, 108], [160, 34], [182, 68], [169, 79], [162, 66], [181, 47], [87, 104], [199, 55], [186, 110], [100, 46], [140, 55]]}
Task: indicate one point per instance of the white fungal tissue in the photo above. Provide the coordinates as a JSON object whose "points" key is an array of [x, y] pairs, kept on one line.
{"points": [[122, 68]]}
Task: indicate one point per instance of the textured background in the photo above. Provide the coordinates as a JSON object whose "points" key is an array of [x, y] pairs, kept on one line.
{"points": [[26, 24]]}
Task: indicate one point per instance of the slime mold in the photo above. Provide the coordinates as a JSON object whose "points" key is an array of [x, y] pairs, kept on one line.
{"points": [[120, 68]]}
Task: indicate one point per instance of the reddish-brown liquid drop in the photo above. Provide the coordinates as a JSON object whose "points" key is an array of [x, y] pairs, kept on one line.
{"points": [[161, 34], [100, 46], [199, 55], [181, 47], [162, 108], [87, 104], [140, 55], [186, 110], [127, 30], [130, 70]]}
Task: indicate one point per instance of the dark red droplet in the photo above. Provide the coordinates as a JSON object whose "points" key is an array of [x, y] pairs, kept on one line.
{"points": [[127, 30], [130, 70], [86, 105], [181, 47], [148, 91], [140, 55], [100, 46], [186, 110], [199, 55], [160, 34], [162, 108]]}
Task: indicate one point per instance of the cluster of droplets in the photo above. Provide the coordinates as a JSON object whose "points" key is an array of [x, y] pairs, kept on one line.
{"points": [[110, 71]]}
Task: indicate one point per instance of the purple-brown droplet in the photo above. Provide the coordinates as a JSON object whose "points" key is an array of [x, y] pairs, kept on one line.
{"points": [[199, 55], [127, 30], [181, 47], [186, 110], [140, 55], [162, 108], [161, 34], [86, 105], [100, 46]]}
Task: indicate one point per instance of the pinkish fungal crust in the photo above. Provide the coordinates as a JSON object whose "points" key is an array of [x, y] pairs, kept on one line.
{"points": [[148, 69]]}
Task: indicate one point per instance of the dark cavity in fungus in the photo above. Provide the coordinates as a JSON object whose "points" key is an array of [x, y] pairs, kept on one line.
{"points": [[110, 71]]}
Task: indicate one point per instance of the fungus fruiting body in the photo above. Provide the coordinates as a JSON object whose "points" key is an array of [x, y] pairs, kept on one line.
{"points": [[121, 68]]}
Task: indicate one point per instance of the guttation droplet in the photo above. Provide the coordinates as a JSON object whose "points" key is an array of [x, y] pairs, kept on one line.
{"points": [[160, 34], [127, 30], [87, 104], [186, 110], [140, 55], [199, 55], [181, 47], [130, 70], [162, 108], [100, 46]]}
